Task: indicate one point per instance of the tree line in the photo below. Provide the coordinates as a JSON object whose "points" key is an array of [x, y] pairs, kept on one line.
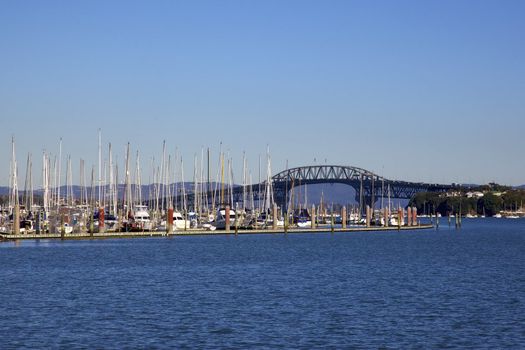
{"points": [[496, 199]]}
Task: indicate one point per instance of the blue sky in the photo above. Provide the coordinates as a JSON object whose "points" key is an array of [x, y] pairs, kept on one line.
{"points": [[428, 91]]}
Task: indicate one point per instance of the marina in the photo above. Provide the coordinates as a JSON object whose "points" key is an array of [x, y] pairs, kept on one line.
{"points": [[122, 206]]}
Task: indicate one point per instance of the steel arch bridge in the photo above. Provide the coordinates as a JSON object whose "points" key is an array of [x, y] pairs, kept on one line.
{"points": [[369, 187]]}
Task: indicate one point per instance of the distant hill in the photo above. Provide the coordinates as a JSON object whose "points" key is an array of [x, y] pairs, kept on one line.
{"points": [[146, 190], [330, 193]]}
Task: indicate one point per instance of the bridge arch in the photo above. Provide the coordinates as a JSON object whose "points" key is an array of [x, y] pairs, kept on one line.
{"points": [[358, 178], [368, 186], [325, 173]]}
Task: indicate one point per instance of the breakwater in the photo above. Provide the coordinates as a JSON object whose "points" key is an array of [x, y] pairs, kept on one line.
{"points": [[191, 232]]}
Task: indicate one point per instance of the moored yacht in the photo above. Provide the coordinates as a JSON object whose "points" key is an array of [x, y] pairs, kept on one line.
{"points": [[220, 219], [141, 220], [179, 222], [302, 218]]}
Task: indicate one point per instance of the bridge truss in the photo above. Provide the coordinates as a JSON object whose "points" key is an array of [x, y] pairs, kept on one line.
{"points": [[369, 187]]}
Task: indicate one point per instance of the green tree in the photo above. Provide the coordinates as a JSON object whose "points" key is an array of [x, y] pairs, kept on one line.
{"points": [[425, 202], [513, 199], [491, 204], [449, 205]]}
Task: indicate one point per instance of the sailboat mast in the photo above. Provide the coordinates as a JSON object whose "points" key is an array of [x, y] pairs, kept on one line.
{"points": [[13, 199], [201, 177], [222, 179], [163, 175], [55, 193], [209, 175], [127, 194], [382, 191], [99, 182], [170, 196], [306, 196], [138, 180], [26, 183], [30, 182], [259, 186], [195, 185], [45, 180], [92, 191], [69, 183], [230, 181], [183, 186], [244, 179], [103, 185], [59, 171]]}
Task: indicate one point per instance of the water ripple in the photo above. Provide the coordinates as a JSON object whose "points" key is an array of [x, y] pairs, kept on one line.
{"points": [[426, 289]]}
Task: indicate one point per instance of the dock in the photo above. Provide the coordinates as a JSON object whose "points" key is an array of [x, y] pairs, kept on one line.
{"points": [[197, 232]]}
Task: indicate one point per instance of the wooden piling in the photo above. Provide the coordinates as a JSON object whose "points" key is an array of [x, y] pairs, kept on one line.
{"points": [[343, 217], [409, 216], [236, 221], [38, 222], [368, 216], [169, 221], [274, 214], [101, 220], [312, 217], [16, 219], [91, 222], [62, 227], [227, 218]]}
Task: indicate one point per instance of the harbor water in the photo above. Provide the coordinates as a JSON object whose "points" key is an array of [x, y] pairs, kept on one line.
{"points": [[442, 288]]}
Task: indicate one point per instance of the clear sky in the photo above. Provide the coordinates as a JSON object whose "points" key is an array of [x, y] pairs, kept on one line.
{"points": [[428, 91]]}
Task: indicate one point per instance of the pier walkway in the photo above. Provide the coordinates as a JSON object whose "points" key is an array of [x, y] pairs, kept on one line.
{"points": [[191, 232]]}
